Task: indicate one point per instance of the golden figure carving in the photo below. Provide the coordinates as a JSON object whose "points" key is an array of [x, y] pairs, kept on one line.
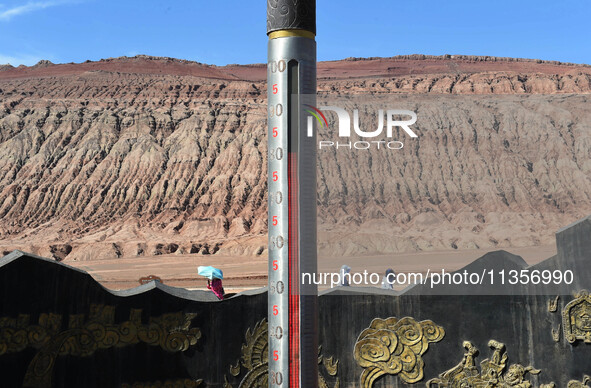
{"points": [[556, 334], [254, 359], [576, 318], [493, 372], [172, 332], [331, 367], [395, 346], [235, 370], [553, 304], [180, 383], [579, 384]]}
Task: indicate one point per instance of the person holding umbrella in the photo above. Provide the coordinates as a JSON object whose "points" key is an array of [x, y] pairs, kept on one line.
{"points": [[214, 280]]}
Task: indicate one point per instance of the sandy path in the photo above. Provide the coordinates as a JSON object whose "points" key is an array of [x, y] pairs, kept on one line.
{"points": [[251, 272]]}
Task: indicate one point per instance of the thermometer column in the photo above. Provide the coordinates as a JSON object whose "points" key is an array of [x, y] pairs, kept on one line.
{"points": [[291, 84]]}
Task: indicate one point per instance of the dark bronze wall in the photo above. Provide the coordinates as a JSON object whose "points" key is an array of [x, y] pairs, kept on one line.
{"points": [[60, 328]]}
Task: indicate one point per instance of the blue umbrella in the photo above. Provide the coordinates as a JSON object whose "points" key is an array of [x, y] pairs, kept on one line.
{"points": [[210, 272]]}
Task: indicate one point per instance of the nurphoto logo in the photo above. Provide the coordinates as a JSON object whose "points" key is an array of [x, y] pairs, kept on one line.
{"points": [[393, 120]]}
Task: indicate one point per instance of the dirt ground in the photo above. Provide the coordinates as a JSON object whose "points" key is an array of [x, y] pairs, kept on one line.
{"points": [[242, 273]]}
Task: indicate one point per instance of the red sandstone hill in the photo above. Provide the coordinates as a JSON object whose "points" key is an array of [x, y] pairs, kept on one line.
{"points": [[405, 65], [145, 156]]}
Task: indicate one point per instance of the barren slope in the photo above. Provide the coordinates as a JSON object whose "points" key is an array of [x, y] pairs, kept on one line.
{"points": [[145, 156]]}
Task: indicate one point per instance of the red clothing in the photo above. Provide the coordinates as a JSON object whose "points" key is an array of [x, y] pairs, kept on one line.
{"points": [[215, 286]]}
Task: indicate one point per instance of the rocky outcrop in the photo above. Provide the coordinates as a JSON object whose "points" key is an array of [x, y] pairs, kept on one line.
{"points": [[43, 63]]}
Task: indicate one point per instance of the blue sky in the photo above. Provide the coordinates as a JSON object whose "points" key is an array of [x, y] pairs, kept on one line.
{"points": [[232, 31]]}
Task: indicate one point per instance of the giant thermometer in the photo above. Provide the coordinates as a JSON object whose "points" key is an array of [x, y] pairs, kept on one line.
{"points": [[291, 85]]}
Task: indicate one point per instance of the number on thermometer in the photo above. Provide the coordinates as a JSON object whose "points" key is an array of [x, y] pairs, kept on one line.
{"points": [[276, 197], [276, 153], [277, 242], [277, 66], [275, 378], [276, 332], [278, 287], [275, 110]]}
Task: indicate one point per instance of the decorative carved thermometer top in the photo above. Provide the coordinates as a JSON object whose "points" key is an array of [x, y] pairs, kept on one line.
{"points": [[291, 15]]}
